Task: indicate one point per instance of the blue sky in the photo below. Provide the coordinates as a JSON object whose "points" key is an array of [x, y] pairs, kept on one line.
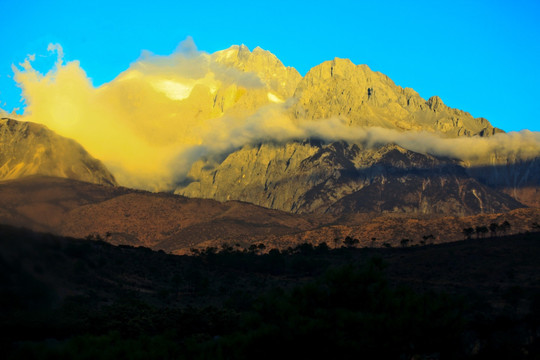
{"points": [[480, 56]]}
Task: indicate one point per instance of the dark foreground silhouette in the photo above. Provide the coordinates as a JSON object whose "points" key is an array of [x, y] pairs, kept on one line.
{"points": [[64, 298]]}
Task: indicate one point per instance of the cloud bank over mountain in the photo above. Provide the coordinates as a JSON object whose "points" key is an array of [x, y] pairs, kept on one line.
{"points": [[154, 120]]}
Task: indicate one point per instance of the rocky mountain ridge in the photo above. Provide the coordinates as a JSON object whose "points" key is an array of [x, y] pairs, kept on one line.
{"points": [[338, 178], [362, 97], [245, 81], [354, 93]]}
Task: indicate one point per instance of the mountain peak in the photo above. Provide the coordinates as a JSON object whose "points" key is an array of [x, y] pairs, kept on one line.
{"points": [[241, 56], [435, 103], [358, 95], [278, 78], [258, 49], [363, 97]]}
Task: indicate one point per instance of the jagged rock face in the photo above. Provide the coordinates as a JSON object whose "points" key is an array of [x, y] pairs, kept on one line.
{"points": [[442, 193], [392, 179], [362, 97], [517, 178], [278, 78], [275, 83], [267, 175], [338, 179], [28, 149], [336, 88]]}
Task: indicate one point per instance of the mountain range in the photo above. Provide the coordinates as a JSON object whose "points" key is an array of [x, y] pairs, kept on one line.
{"points": [[307, 182]]}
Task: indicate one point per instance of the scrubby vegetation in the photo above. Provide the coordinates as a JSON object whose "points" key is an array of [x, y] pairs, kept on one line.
{"points": [[67, 298]]}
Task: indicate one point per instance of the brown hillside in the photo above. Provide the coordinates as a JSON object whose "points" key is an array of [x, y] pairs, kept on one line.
{"points": [[178, 224]]}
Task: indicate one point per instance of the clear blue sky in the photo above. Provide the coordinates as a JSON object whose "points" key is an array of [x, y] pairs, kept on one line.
{"points": [[480, 56]]}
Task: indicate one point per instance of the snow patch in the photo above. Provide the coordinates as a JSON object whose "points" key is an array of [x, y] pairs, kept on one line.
{"points": [[274, 98], [173, 89]]}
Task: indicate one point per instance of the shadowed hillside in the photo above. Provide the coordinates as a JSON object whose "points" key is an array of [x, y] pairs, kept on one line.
{"points": [[125, 216], [178, 224], [66, 298]]}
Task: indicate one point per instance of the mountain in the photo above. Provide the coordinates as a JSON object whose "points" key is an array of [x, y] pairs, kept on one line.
{"points": [[244, 81], [362, 97], [27, 149], [263, 164], [354, 93], [237, 82], [338, 178], [270, 81]]}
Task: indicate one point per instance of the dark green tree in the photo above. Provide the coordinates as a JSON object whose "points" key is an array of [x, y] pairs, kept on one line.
{"points": [[425, 239], [404, 242], [481, 231], [350, 242], [493, 227], [505, 227], [468, 232]]}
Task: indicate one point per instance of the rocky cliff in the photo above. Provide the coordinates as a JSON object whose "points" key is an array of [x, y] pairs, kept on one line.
{"points": [[338, 178], [29, 149]]}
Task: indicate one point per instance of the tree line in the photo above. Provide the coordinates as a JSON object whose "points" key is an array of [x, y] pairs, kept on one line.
{"points": [[482, 231]]}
